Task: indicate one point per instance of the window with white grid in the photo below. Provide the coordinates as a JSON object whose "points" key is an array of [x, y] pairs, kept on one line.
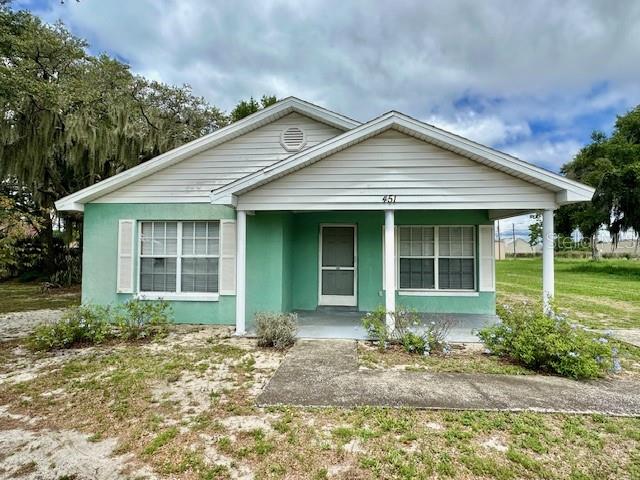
{"points": [[416, 252], [436, 257], [178, 257]]}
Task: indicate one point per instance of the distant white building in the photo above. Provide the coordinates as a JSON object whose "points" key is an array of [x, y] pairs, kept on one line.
{"points": [[521, 247]]}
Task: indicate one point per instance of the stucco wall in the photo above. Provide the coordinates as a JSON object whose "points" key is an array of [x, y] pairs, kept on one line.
{"points": [[282, 259], [305, 251], [100, 243]]}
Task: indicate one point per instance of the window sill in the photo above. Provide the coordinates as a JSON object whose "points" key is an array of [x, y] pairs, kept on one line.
{"points": [[179, 297], [438, 293]]}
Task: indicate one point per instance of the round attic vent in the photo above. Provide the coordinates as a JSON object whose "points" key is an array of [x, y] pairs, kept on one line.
{"points": [[293, 139]]}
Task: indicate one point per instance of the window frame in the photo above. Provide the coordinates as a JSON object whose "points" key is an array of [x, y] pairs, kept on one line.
{"points": [[178, 294], [436, 257]]}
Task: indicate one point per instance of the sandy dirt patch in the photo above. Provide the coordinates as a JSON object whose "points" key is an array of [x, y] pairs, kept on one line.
{"points": [[55, 454], [37, 447], [20, 324]]}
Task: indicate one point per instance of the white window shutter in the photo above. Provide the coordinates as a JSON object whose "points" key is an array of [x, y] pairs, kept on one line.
{"points": [[227, 278], [125, 256], [487, 263]]}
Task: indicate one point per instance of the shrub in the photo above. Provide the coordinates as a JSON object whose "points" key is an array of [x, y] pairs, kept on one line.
{"points": [[414, 343], [137, 319], [548, 343], [427, 338], [94, 324], [277, 330], [410, 331], [79, 325], [375, 325]]}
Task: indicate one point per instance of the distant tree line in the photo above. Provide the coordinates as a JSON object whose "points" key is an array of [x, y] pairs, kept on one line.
{"points": [[68, 120]]}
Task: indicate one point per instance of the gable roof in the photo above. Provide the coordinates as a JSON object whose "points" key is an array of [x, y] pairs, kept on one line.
{"points": [[267, 115], [567, 191]]}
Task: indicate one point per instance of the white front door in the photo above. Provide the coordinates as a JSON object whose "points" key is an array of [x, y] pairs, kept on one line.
{"points": [[338, 265]]}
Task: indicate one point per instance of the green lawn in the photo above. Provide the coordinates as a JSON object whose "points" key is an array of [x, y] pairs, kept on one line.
{"points": [[604, 294], [19, 297], [185, 406]]}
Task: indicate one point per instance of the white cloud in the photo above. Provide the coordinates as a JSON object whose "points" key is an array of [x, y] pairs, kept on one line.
{"points": [[489, 130], [486, 70], [545, 153], [519, 225]]}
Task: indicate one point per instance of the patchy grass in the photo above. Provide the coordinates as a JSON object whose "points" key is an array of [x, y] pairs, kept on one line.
{"points": [[19, 297], [185, 406], [470, 359], [467, 359], [604, 294]]}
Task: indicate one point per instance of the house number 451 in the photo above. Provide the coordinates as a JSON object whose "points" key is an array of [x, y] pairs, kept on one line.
{"points": [[389, 199]]}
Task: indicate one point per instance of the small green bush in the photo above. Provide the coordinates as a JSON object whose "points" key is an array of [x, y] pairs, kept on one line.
{"points": [[277, 330], [375, 325], [414, 343], [137, 320], [95, 324], [410, 331], [548, 343], [79, 325]]}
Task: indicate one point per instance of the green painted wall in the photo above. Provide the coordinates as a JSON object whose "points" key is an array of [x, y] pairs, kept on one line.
{"points": [[305, 251], [306, 240], [99, 260], [484, 303], [287, 268], [268, 263], [282, 259]]}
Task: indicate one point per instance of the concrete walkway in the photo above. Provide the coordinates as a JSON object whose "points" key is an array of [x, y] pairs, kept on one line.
{"points": [[325, 373]]}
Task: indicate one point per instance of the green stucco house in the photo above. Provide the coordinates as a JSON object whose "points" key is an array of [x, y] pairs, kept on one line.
{"points": [[297, 208]]}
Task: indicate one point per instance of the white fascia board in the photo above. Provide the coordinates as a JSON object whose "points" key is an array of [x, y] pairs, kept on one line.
{"points": [[478, 152], [228, 200], [567, 197], [251, 122]]}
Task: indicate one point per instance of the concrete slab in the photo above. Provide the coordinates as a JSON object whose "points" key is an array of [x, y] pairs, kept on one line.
{"points": [[325, 373], [347, 324]]}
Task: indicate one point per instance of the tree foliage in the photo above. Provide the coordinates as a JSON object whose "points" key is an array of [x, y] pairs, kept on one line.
{"points": [[610, 164], [535, 230], [69, 119], [247, 107]]}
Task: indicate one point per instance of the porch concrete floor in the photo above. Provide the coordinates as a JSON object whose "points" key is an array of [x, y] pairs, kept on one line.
{"points": [[347, 324]]}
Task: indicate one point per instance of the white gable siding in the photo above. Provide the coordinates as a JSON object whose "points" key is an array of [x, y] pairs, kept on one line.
{"points": [[192, 179], [420, 174]]}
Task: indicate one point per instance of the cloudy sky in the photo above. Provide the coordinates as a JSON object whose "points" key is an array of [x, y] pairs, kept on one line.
{"points": [[530, 78]]}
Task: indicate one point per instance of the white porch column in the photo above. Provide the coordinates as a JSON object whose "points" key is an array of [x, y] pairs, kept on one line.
{"points": [[390, 267], [241, 270], [547, 260]]}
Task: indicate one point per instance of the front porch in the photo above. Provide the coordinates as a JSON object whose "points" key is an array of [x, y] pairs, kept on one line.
{"points": [[436, 262], [327, 324]]}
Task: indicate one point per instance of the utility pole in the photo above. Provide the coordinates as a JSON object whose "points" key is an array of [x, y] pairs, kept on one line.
{"points": [[513, 236], [500, 242]]}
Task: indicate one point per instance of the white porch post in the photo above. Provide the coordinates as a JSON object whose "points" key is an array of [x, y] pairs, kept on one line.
{"points": [[241, 261], [547, 260], [390, 267]]}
